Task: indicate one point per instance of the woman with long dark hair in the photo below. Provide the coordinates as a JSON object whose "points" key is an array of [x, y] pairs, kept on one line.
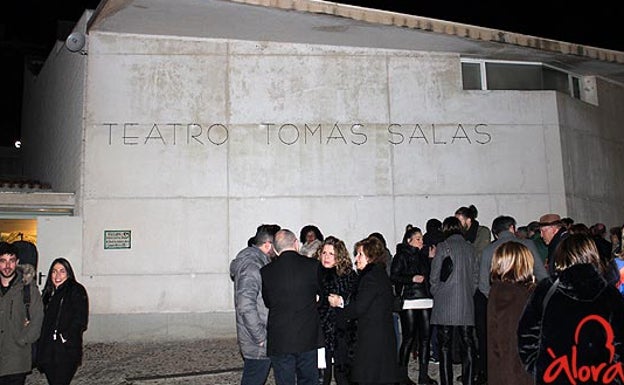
{"points": [[410, 274], [66, 313]]}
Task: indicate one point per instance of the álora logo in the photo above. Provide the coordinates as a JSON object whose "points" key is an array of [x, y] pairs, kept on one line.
{"points": [[567, 365]]}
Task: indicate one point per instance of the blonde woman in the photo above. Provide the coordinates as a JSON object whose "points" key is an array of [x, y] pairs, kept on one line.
{"points": [[512, 283]]}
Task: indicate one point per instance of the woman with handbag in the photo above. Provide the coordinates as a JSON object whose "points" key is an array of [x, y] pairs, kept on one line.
{"points": [[454, 279], [410, 275], [66, 312]]}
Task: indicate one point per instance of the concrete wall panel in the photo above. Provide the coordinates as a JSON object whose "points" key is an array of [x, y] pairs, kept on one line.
{"points": [[165, 293], [156, 168], [169, 236], [307, 88], [323, 159], [461, 159], [350, 218]]}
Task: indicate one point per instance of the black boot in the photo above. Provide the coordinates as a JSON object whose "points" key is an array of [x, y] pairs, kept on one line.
{"points": [[423, 369], [445, 354]]}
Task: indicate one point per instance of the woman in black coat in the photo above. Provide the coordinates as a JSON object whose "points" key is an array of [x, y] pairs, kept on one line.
{"points": [[410, 274], [65, 319], [572, 330], [375, 352], [338, 278]]}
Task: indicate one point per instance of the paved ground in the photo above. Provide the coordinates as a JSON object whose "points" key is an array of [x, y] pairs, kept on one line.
{"points": [[214, 361]]}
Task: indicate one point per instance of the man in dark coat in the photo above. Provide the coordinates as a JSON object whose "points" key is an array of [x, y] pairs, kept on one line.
{"points": [[552, 232], [290, 289]]}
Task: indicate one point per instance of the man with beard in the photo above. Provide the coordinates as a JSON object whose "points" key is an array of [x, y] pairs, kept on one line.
{"points": [[20, 321]]}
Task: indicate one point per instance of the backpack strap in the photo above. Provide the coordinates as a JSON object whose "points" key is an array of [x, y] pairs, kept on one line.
{"points": [[549, 294], [26, 297]]}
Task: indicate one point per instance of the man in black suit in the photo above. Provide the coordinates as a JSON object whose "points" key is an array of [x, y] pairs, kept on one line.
{"points": [[290, 289]]}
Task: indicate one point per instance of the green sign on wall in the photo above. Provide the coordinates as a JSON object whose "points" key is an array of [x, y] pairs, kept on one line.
{"points": [[117, 239]]}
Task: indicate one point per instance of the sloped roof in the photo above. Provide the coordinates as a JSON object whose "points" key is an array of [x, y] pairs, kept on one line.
{"points": [[328, 23]]}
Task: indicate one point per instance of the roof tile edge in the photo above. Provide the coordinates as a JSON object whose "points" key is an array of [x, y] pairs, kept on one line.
{"points": [[440, 26]]}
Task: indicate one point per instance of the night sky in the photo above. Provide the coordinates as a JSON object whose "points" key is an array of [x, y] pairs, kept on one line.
{"points": [[29, 28]]}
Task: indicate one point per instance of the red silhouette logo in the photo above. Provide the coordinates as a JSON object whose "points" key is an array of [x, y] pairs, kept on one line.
{"points": [[604, 372]]}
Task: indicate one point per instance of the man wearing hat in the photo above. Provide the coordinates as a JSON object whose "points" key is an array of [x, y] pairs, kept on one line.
{"points": [[552, 232]]}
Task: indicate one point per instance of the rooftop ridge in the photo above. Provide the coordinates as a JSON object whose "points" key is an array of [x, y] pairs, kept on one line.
{"points": [[440, 26]]}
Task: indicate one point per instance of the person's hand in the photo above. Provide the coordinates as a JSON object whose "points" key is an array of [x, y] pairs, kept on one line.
{"points": [[418, 279], [432, 251], [335, 300]]}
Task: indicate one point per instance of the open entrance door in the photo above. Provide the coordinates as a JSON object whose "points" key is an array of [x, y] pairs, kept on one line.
{"points": [[59, 236], [45, 219]]}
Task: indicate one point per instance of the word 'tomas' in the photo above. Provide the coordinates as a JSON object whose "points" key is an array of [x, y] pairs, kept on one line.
{"points": [[132, 134]]}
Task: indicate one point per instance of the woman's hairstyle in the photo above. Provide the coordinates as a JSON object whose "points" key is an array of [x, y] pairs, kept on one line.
{"points": [[48, 288], [512, 262], [579, 228], [468, 212], [373, 249], [344, 265], [577, 249], [451, 226], [409, 233], [617, 231], [380, 237], [306, 229]]}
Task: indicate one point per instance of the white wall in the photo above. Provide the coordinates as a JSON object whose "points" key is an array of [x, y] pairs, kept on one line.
{"points": [[351, 170], [593, 148], [52, 115]]}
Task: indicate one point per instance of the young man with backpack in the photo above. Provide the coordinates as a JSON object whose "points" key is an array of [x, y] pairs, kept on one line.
{"points": [[20, 316]]}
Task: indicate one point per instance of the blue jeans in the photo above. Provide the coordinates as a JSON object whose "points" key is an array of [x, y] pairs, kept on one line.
{"points": [[255, 372], [296, 368], [397, 330]]}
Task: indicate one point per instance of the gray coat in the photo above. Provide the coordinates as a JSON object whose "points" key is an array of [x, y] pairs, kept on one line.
{"points": [[17, 336], [488, 253], [251, 313], [453, 303]]}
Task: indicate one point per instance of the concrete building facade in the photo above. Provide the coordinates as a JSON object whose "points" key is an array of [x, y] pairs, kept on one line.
{"points": [[181, 127]]}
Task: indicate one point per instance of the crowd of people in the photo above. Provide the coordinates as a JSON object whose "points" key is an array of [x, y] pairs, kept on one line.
{"points": [[39, 330], [541, 303]]}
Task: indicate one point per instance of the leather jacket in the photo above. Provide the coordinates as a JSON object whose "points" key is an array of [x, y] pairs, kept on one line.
{"points": [[408, 262]]}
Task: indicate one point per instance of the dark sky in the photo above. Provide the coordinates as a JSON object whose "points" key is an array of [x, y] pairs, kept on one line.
{"points": [[29, 28]]}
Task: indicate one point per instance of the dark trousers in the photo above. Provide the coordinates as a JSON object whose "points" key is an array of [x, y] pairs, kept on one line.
{"points": [[415, 329], [61, 373], [255, 372], [13, 379], [480, 302], [467, 352], [296, 368], [338, 370]]}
